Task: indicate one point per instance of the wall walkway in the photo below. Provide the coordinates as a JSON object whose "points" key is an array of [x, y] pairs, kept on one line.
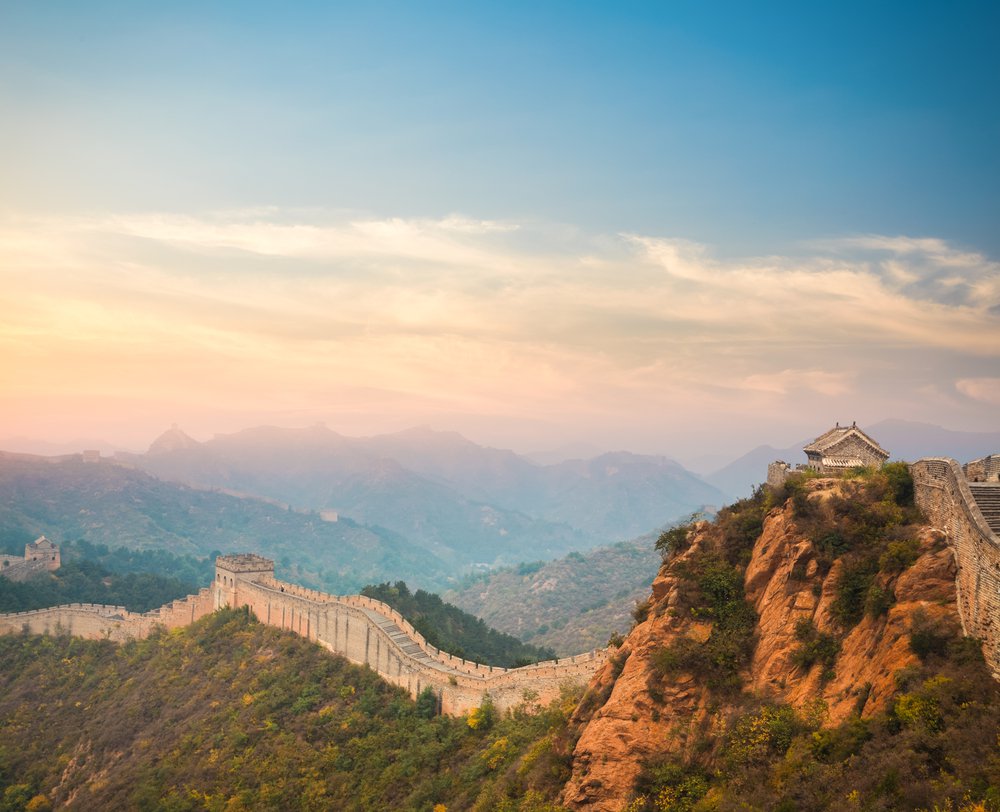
{"points": [[365, 631], [942, 493]]}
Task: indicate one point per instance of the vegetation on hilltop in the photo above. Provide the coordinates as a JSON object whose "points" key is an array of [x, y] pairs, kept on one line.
{"points": [[450, 629], [188, 568], [932, 748], [229, 714], [89, 582]]}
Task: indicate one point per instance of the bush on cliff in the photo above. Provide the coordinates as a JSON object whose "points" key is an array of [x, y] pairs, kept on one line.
{"points": [[711, 581]]}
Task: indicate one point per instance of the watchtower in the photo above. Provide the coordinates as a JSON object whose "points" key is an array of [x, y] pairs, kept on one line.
{"points": [[230, 570]]}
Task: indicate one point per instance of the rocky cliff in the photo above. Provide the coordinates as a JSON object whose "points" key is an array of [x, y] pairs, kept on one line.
{"points": [[804, 599]]}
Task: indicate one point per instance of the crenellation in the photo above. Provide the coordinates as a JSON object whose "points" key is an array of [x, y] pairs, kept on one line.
{"points": [[943, 493]]}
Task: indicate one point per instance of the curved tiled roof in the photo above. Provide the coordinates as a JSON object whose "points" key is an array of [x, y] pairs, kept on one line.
{"points": [[838, 433]]}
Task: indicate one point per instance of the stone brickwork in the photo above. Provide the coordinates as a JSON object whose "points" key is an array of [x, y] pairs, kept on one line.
{"points": [[98, 622], [942, 493], [365, 631], [40, 556], [369, 632], [777, 473], [986, 469]]}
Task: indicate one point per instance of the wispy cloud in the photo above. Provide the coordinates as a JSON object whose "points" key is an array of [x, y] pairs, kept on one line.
{"points": [[985, 389], [481, 315]]}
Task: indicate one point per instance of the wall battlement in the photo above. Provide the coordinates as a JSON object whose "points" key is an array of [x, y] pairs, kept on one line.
{"points": [[943, 494], [364, 630]]}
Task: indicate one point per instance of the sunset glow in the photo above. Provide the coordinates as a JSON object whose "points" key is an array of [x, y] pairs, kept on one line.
{"points": [[234, 256]]}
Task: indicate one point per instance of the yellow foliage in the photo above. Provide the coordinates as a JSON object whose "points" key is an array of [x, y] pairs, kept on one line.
{"points": [[39, 804], [247, 699], [637, 805], [440, 808], [497, 753]]}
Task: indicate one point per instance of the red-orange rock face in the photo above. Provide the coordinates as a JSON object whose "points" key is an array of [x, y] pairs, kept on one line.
{"points": [[649, 715]]}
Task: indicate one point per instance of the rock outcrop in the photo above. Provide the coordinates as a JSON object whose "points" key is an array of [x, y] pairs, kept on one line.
{"points": [[635, 713]]}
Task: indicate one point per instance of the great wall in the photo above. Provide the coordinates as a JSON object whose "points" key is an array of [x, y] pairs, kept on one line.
{"points": [[968, 513], [371, 633], [365, 631]]}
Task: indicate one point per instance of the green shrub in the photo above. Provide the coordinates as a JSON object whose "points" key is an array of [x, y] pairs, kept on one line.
{"points": [[814, 647], [853, 585], [878, 601], [673, 541], [899, 555], [671, 787], [927, 637], [759, 736]]}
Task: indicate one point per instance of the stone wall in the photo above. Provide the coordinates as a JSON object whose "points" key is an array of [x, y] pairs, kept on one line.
{"points": [[365, 631], [986, 469], [943, 495], [369, 632], [99, 622], [18, 569], [777, 473]]}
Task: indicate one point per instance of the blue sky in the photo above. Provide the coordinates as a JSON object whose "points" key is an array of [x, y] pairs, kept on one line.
{"points": [[168, 159]]}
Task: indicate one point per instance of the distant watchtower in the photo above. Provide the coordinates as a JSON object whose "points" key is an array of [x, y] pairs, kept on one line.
{"points": [[41, 549], [230, 570]]}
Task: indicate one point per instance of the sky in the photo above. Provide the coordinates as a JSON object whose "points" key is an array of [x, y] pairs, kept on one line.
{"points": [[684, 228]]}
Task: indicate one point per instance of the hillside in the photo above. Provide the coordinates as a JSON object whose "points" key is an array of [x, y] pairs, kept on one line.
{"points": [[116, 506], [802, 652], [318, 469], [89, 582], [232, 715], [571, 605]]}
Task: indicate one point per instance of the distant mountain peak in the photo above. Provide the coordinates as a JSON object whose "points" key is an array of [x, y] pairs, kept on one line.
{"points": [[173, 439]]}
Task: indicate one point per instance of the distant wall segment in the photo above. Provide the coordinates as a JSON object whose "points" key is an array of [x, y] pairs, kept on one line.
{"points": [[364, 630], [943, 494], [100, 622]]}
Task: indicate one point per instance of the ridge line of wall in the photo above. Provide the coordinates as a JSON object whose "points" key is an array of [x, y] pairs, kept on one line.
{"points": [[361, 629], [942, 493]]}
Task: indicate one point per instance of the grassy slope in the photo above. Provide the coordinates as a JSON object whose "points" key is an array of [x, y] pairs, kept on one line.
{"points": [[229, 714]]}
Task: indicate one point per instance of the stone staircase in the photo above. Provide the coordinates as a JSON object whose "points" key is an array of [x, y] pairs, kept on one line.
{"points": [[406, 643], [987, 496]]}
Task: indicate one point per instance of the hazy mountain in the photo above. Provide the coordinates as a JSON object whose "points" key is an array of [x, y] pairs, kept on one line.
{"points": [[479, 472], [107, 503], [570, 451], [318, 469], [906, 440], [620, 495], [466, 503], [171, 440], [738, 478]]}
